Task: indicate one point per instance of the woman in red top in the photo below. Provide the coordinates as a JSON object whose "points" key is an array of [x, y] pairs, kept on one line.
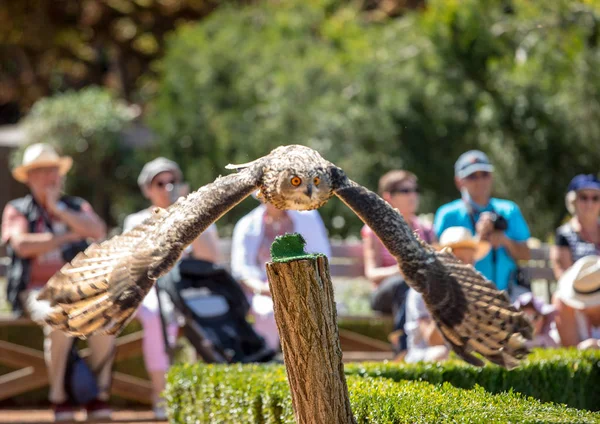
{"points": [[399, 188]]}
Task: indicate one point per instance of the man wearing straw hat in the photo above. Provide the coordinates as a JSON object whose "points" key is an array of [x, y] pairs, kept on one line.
{"points": [[44, 230]]}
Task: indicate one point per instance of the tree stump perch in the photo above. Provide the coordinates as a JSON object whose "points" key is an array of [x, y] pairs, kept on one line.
{"points": [[306, 318]]}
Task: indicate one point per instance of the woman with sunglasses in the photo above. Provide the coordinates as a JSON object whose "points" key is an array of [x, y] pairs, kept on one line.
{"points": [[581, 235], [579, 238], [399, 188]]}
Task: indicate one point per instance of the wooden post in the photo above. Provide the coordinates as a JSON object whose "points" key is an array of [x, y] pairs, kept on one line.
{"points": [[306, 318]]}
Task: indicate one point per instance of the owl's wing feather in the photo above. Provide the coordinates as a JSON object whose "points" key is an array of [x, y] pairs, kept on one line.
{"points": [[472, 315], [99, 291]]}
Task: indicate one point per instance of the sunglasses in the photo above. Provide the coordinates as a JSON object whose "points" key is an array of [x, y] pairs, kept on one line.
{"points": [[162, 184], [478, 175], [405, 190], [592, 198]]}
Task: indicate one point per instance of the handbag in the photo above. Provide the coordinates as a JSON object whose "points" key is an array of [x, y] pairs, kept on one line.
{"points": [[81, 384]]}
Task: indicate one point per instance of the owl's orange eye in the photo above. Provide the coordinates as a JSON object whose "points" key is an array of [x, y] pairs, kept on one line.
{"points": [[317, 180], [296, 181]]}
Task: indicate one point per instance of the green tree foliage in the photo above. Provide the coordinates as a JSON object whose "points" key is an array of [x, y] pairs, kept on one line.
{"points": [[88, 125], [517, 79], [51, 46]]}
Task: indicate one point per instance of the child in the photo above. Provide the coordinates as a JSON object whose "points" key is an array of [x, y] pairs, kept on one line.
{"points": [[425, 342], [541, 316]]}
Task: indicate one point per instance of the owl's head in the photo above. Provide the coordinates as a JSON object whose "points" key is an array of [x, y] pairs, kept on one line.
{"points": [[299, 190]]}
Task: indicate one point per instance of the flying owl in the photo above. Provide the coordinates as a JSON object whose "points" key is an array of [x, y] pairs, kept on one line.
{"points": [[99, 291]]}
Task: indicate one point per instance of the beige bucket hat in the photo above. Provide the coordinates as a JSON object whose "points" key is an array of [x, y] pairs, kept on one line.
{"points": [[41, 155]]}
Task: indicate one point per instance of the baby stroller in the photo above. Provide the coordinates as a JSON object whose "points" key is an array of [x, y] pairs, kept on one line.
{"points": [[214, 308]]}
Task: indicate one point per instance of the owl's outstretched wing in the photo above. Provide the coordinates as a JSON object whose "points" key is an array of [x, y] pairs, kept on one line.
{"points": [[99, 291], [470, 312]]}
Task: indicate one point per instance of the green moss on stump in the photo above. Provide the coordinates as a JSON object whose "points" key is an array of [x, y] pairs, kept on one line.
{"points": [[290, 247]]}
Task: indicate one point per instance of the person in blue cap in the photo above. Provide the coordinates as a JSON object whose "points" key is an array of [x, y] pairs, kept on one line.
{"points": [[581, 235], [497, 221]]}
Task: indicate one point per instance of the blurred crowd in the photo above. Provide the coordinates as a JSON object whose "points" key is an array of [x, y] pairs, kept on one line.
{"points": [[47, 228]]}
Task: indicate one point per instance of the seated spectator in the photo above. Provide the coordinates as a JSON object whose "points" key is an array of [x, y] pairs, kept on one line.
{"points": [[43, 229], [497, 221], [577, 302], [161, 183], [577, 239], [541, 316], [425, 341], [581, 235], [251, 250], [399, 188]]}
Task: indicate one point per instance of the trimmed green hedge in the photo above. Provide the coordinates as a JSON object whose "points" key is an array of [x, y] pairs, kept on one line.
{"points": [[564, 376], [259, 394]]}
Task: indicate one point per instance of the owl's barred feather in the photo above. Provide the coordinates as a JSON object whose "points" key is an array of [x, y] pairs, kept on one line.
{"points": [[100, 290]]}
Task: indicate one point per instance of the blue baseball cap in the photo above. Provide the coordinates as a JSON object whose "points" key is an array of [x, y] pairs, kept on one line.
{"points": [[470, 162], [583, 182]]}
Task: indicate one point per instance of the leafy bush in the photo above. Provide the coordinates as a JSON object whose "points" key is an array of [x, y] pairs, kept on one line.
{"points": [[88, 125], [516, 79], [561, 376], [260, 394]]}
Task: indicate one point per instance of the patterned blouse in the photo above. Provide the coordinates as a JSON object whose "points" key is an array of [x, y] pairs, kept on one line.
{"points": [[566, 236]]}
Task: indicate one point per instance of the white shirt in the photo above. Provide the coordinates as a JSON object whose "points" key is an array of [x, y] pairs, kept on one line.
{"points": [[248, 233]]}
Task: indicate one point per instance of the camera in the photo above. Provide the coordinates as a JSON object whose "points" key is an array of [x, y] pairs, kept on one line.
{"points": [[500, 223], [71, 250]]}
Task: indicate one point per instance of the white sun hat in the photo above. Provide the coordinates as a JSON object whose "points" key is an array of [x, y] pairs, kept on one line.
{"points": [[579, 286]]}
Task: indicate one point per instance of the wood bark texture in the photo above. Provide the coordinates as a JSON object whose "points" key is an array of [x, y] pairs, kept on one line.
{"points": [[307, 321]]}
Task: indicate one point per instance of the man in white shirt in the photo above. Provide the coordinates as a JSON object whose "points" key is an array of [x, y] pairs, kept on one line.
{"points": [[250, 250]]}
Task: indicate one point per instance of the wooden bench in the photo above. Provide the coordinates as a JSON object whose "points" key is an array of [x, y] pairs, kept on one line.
{"points": [[31, 371], [347, 261], [539, 271]]}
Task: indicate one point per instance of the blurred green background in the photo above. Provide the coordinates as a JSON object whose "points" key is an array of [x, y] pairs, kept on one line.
{"points": [[372, 85]]}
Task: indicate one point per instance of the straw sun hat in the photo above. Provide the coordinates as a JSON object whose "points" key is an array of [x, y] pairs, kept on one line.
{"points": [[41, 155], [457, 237]]}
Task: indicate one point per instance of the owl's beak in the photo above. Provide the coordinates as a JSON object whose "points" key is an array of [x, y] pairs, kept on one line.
{"points": [[309, 190]]}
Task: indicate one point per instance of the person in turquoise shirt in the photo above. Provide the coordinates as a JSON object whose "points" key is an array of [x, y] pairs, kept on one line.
{"points": [[479, 211]]}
